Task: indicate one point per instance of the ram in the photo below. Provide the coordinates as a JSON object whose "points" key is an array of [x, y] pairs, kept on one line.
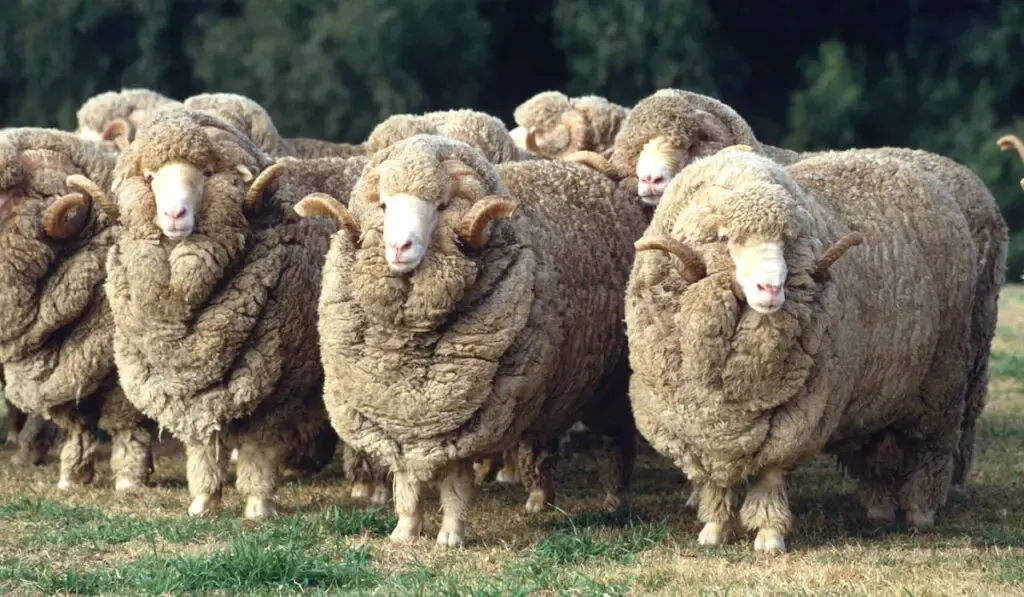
{"points": [[111, 117], [753, 348], [213, 284], [56, 327], [554, 125], [467, 306]]}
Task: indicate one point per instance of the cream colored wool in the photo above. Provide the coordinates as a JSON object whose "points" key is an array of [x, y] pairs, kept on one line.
{"points": [[555, 125], [477, 129], [879, 345], [475, 349]]}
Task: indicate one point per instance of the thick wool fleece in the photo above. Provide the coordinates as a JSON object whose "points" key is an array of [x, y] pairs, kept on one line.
{"points": [[216, 333], [696, 124], [476, 129], [543, 112], [729, 393], [131, 104], [471, 350], [56, 329], [306, 148], [332, 175]]}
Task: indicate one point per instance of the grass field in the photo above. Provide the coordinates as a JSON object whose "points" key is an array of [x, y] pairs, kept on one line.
{"points": [[101, 543]]}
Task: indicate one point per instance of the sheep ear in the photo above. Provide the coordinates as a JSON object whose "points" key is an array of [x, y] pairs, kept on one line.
{"points": [[473, 228], [66, 216], [691, 266], [120, 130]]}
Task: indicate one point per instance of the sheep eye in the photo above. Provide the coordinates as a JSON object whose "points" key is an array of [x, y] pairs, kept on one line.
{"points": [[442, 207], [383, 206], [208, 173]]}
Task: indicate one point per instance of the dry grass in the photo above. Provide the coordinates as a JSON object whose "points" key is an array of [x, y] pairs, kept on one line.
{"points": [[98, 542]]}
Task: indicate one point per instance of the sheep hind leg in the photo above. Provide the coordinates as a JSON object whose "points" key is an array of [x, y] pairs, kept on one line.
{"points": [[535, 462], [456, 498], [259, 466], [408, 507], [131, 458], [206, 469], [509, 472], [715, 510], [78, 458], [766, 510], [615, 462], [927, 487]]}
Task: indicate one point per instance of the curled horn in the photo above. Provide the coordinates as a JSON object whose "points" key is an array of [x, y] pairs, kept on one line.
{"points": [[1011, 142], [322, 204], [108, 207], [120, 130], [254, 196], [579, 130], [531, 144], [693, 268], [474, 223], [820, 271], [66, 216], [595, 161]]}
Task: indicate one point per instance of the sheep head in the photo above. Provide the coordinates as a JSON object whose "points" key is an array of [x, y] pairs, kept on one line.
{"points": [[549, 125], [180, 158], [739, 214], [433, 193], [667, 131]]}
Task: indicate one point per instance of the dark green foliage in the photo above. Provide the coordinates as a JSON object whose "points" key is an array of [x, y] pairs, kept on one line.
{"points": [[807, 75]]}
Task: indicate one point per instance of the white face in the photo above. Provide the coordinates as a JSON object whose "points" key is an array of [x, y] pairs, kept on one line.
{"points": [[655, 167], [761, 273], [89, 135], [409, 224], [178, 189], [519, 137]]}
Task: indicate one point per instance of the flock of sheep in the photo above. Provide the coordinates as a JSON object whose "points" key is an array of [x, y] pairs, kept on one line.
{"points": [[450, 295]]}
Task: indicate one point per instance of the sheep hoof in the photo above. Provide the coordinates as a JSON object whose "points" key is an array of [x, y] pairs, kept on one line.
{"points": [[770, 541], [407, 529], [921, 519], [202, 504], [535, 503], [381, 495], [68, 485], [361, 490], [452, 537], [126, 484], [881, 514], [258, 508], [713, 534], [234, 455], [504, 476]]}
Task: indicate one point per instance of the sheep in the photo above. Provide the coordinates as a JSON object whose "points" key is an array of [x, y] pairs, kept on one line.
{"points": [[1012, 142], [476, 129], [444, 339], [30, 435], [554, 125], [111, 117], [823, 357], [56, 329], [249, 117], [213, 284]]}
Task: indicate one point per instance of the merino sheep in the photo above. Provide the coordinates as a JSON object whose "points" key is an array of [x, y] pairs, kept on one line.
{"points": [[249, 117], [213, 285], [554, 125], [445, 339], [111, 117], [476, 129], [752, 352], [56, 329]]}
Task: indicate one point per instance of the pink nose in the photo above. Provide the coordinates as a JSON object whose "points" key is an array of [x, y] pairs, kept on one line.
{"points": [[174, 215], [652, 180], [771, 290], [398, 251]]}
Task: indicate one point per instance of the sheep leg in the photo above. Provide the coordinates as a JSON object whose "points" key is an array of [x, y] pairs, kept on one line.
{"points": [[369, 477], [131, 458], [259, 466], [34, 440], [509, 472], [716, 512], [766, 510], [615, 469], [77, 458], [16, 419], [535, 461], [456, 498], [408, 507], [927, 486], [206, 469]]}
